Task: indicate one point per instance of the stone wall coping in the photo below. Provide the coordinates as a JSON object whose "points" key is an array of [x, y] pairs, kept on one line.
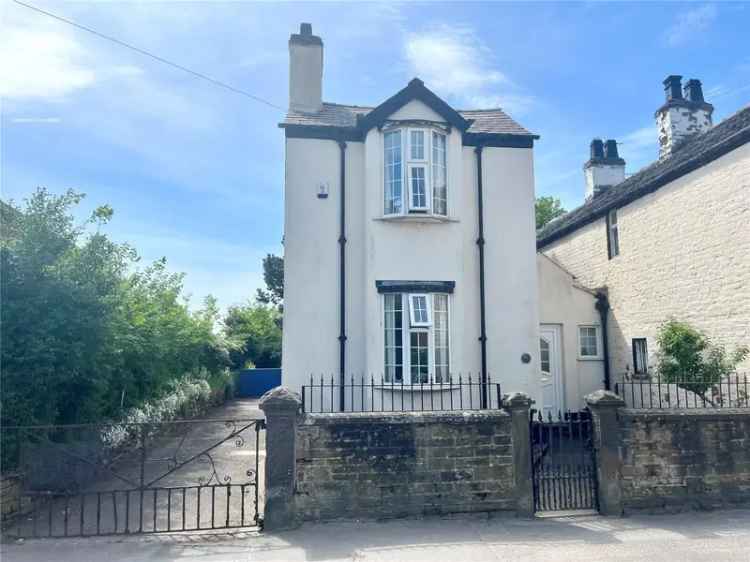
{"points": [[604, 398], [684, 413], [455, 417], [279, 399]]}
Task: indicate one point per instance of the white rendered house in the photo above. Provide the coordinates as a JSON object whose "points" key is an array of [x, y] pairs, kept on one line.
{"points": [[409, 240]]}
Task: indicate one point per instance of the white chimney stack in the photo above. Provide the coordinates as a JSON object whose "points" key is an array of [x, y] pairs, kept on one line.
{"points": [[681, 117], [604, 169], [305, 71]]}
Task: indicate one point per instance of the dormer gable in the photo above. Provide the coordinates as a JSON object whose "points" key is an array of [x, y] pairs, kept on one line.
{"points": [[414, 91]]}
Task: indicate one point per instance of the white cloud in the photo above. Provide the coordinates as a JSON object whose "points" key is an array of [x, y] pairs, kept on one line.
{"points": [[41, 64], [690, 24], [456, 64]]}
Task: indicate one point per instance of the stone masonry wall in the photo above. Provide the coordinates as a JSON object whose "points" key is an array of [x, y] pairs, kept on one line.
{"points": [[683, 253], [363, 465], [674, 460]]}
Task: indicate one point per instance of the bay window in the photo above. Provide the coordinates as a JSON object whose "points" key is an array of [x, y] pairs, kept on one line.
{"points": [[417, 159], [416, 340]]}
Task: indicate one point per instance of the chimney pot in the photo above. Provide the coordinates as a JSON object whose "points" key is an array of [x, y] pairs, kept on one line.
{"points": [[673, 87], [694, 91], [604, 169], [597, 149], [681, 118], [610, 149], [305, 29]]}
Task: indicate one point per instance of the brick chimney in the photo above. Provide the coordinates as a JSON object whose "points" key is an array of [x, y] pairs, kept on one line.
{"points": [[681, 116], [604, 169], [305, 71]]}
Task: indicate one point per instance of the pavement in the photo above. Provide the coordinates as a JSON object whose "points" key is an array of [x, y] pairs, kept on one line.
{"points": [[696, 536]]}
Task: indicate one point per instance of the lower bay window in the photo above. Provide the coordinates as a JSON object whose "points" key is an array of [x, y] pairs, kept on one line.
{"points": [[416, 338]]}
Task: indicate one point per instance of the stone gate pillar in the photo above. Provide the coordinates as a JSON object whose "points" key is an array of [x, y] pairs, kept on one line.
{"points": [[281, 407], [604, 405], [518, 405]]}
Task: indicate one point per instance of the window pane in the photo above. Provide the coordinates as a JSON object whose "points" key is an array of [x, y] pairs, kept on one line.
{"points": [[393, 338], [419, 357], [614, 234], [418, 188], [420, 314], [417, 145], [544, 355], [393, 173], [440, 334], [439, 175], [588, 341], [640, 355]]}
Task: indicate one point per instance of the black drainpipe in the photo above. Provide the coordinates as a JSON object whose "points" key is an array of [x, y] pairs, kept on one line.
{"points": [[602, 305], [342, 265], [480, 244]]}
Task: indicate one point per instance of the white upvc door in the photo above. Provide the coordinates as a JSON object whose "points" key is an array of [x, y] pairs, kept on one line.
{"points": [[550, 364]]}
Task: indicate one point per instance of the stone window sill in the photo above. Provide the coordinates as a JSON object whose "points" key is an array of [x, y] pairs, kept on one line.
{"points": [[422, 218]]}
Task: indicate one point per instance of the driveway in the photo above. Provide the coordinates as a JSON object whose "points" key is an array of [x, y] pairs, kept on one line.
{"points": [[716, 536]]}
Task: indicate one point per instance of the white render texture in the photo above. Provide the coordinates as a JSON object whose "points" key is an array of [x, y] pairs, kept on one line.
{"points": [[563, 302], [678, 123], [408, 248], [305, 77], [684, 253], [602, 175]]}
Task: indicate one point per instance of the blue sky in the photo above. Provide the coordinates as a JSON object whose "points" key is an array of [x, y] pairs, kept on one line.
{"points": [[195, 172]]}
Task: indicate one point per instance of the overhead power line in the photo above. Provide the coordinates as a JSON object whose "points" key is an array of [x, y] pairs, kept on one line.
{"points": [[152, 55]]}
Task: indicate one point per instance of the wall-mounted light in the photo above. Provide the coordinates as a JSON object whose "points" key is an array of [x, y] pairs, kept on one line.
{"points": [[322, 190]]}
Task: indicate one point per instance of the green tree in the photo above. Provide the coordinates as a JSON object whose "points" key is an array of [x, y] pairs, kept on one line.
{"points": [[273, 275], [547, 209], [86, 333], [688, 358], [254, 332]]}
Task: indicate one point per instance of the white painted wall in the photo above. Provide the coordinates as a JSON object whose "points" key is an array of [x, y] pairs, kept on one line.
{"points": [[563, 302], [409, 249]]}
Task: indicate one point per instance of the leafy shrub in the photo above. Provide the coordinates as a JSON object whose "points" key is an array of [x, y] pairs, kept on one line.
{"points": [[87, 333], [688, 358]]}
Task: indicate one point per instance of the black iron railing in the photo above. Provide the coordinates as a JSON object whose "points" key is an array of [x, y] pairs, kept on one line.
{"points": [[659, 392], [371, 394]]}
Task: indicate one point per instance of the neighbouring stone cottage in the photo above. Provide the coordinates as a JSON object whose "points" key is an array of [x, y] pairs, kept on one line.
{"points": [[669, 241]]}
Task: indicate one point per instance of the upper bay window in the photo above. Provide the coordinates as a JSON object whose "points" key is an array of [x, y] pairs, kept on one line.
{"points": [[416, 338], [416, 159]]}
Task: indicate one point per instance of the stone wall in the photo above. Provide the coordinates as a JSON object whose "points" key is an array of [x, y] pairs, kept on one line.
{"points": [[678, 459], [364, 465], [683, 253]]}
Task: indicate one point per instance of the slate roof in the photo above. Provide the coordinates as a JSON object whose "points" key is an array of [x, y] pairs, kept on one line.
{"points": [[731, 133], [345, 116]]}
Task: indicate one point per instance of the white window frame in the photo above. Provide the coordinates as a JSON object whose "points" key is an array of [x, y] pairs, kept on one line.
{"points": [[426, 145], [598, 335], [408, 164], [404, 187], [407, 328], [433, 167], [428, 306], [427, 198]]}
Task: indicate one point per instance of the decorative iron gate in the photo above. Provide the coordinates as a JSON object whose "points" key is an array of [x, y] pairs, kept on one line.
{"points": [[563, 462], [109, 479]]}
